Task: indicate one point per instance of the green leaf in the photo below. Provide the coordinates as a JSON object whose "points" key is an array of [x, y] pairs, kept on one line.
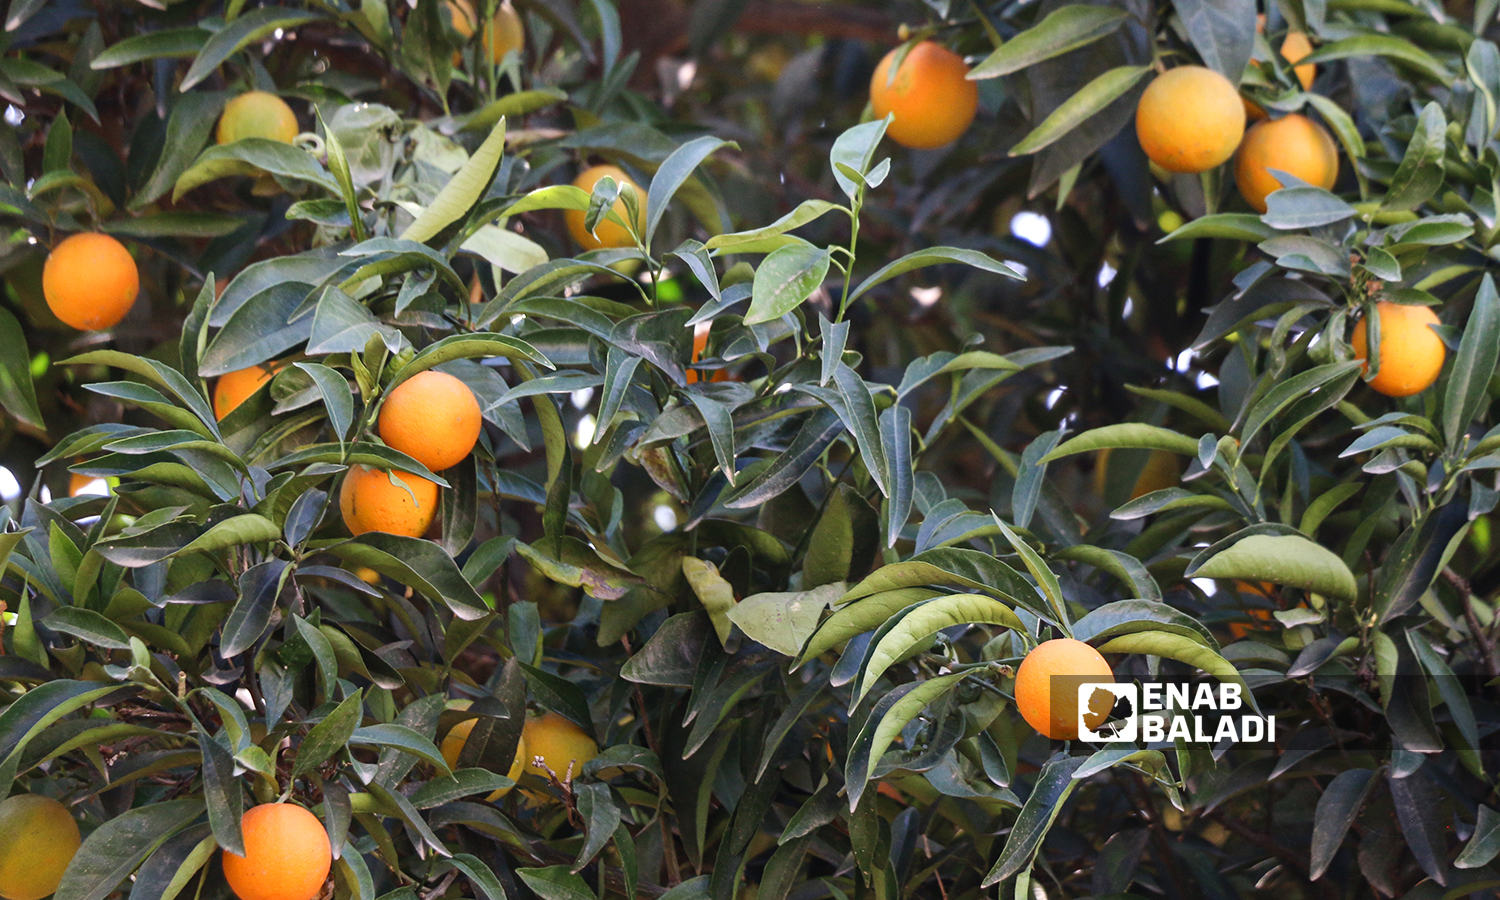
{"points": [[1053, 785], [1182, 649], [806, 211], [251, 616], [17, 393], [1282, 559], [1232, 226], [890, 716], [1337, 806], [921, 623], [329, 736], [248, 528], [251, 156], [1125, 436], [221, 791], [855, 148], [461, 192], [1064, 28], [933, 256], [1126, 568], [785, 278], [1131, 616], [188, 129], [114, 849], [88, 626], [556, 883], [1222, 31], [253, 26], [1080, 107], [1484, 845], [1380, 45], [173, 43], [400, 737], [1467, 389], [670, 176], [716, 594], [784, 621], [176, 224], [419, 563], [1301, 206]]}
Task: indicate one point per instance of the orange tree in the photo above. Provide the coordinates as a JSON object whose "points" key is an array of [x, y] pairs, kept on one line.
{"points": [[737, 570]]}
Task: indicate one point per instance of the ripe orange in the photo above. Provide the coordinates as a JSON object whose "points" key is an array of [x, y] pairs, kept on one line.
{"points": [[931, 96], [79, 485], [700, 343], [1411, 354], [40, 840], [562, 746], [1293, 144], [236, 387], [453, 745], [506, 31], [257, 114], [1189, 119], [90, 281], [1293, 47], [370, 502], [1070, 663], [287, 855], [1238, 630], [433, 418], [608, 234]]}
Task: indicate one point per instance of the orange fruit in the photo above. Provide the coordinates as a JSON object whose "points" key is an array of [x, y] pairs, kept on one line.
{"points": [[79, 484], [40, 840], [1293, 47], [1189, 119], [370, 502], [257, 114], [433, 418], [931, 96], [1071, 663], [1411, 354], [453, 745], [608, 234], [561, 745], [1238, 630], [506, 31], [1293, 144], [236, 387], [700, 343], [90, 281], [287, 855]]}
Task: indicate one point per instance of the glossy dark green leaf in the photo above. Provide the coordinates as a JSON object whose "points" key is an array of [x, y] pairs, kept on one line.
{"points": [[329, 736], [1064, 28], [1337, 806], [252, 26], [1420, 174], [114, 849], [1484, 845], [1053, 785], [222, 795], [259, 587], [1081, 106], [1467, 387], [421, 564], [556, 883], [1222, 31]]}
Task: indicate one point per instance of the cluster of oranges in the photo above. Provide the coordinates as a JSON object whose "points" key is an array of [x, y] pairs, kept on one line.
{"points": [[432, 417], [1188, 144]]}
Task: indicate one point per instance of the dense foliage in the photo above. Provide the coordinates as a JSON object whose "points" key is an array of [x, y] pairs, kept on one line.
{"points": [[773, 498]]}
